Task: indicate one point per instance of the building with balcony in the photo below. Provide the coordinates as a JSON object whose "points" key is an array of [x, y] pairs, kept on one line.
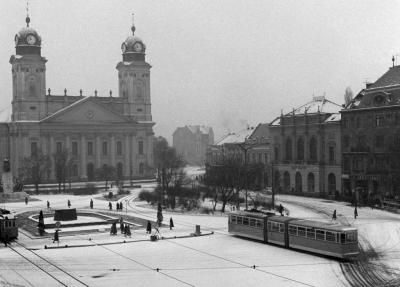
{"points": [[371, 140]]}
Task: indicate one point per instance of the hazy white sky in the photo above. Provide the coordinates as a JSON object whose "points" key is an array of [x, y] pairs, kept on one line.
{"points": [[219, 63]]}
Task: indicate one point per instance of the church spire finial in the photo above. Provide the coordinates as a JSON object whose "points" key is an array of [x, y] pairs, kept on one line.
{"points": [[27, 19], [393, 60], [133, 28]]}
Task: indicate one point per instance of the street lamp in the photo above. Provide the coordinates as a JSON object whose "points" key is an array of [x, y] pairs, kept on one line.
{"points": [[126, 206]]}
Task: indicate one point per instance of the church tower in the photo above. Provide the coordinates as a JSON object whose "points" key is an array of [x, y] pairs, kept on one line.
{"points": [[134, 78], [28, 76]]}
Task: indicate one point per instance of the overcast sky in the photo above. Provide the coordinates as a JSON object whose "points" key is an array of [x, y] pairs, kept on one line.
{"points": [[217, 63]]}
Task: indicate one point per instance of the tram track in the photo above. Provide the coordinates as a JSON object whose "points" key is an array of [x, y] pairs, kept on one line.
{"points": [[62, 276], [363, 272]]}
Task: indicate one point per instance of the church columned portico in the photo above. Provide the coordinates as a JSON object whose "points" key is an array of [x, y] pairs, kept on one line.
{"points": [[92, 131]]}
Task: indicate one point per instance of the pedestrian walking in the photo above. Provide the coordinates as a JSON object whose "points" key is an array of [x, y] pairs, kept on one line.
{"points": [[113, 230], [127, 230], [355, 212], [6, 239], [48, 205], [91, 204], [117, 206], [56, 238], [280, 209], [69, 203], [122, 227], [148, 228], [26, 200], [334, 215], [171, 223], [121, 220], [120, 206], [110, 205]]}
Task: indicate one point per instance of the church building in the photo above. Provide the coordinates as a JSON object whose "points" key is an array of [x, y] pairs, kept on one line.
{"points": [[94, 131]]}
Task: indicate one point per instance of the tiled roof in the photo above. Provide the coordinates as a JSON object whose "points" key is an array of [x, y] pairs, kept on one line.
{"points": [[390, 78]]}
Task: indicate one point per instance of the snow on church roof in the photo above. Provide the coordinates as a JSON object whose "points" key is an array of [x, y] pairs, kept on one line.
{"points": [[5, 114]]}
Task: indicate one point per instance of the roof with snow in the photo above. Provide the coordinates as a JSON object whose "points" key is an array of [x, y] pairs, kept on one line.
{"points": [[234, 138], [5, 114], [318, 104]]}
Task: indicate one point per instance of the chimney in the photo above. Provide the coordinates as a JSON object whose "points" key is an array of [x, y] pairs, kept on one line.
{"points": [[368, 85]]}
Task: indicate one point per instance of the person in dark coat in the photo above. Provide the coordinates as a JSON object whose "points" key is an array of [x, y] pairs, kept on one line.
{"points": [[110, 205], [334, 215], [127, 230], [91, 204], [148, 228], [355, 212], [171, 223], [26, 200], [69, 203], [122, 227], [280, 209], [120, 206], [56, 237], [6, 239], [48, 205], [113, 230], [117, 206]]}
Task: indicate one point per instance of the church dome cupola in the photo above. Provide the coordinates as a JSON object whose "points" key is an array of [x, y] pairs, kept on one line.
{"points": [[133, 48], [27, 40]]}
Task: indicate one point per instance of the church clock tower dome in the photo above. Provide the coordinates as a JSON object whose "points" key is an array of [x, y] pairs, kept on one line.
{"points": [[133, 48], [27, 40]]}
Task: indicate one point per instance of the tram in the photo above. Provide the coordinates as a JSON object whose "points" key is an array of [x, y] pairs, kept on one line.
{"points": [[8, 226], [326, 238]]}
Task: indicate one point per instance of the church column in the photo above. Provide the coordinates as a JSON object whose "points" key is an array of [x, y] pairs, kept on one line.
{"points": [[150, 160], [68, 145], [14, 156], [83, 173], [27, 150], [127, 156], [133, 162], [53, 164], [98, 150], [112, 150]]}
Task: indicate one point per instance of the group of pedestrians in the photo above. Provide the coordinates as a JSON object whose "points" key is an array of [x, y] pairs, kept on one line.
{"points": [[334, 216], [124, 228], [118, 206]]}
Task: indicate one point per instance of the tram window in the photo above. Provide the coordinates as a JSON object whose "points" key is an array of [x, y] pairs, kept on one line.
{"points": [[351, 237], [292, 230], [342, 238], [269, 226], [252, 222], [310, 233], [275, 226], [330, 236], [302, 231], [258, 223], [240, 220], [245, 221], [281, 228], [320, 234], [233, 219]]}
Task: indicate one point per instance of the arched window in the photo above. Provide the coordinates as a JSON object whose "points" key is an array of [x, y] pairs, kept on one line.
{"points": [[310, 182], [288, 149], [286, 181], [313, 149], [276, 152], [300, 149], [331, 183], [141, 168], [90, 171], [277, 181], [298, 182], [119, 171]]}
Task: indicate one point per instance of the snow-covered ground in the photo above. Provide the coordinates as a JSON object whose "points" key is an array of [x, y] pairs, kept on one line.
{"points": [[214, 260]]}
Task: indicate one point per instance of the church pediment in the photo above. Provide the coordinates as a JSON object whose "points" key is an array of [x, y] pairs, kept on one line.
{"points": [[85, 111]]}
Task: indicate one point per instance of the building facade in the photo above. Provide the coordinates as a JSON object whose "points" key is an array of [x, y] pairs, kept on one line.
{"points": [[306, 149], [371, 140], [93, 130], [250, 146], [191, 143]]}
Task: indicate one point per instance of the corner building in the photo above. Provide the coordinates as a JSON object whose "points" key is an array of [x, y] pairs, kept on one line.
{"points": [[96, 131]]}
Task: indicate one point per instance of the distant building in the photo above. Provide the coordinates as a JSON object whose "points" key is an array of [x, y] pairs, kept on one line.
{"points": [[371, 140], [191, 143], [251, 145], [95, 131], [306, 147]]}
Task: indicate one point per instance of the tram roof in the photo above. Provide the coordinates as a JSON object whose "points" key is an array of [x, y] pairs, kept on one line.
{"points": [[255, 214], [335, 226]]}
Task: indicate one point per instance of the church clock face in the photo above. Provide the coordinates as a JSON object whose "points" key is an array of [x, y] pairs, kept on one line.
{"points": [[137, 47], [31, 39]]}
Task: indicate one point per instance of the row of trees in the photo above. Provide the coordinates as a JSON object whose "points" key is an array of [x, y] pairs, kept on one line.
{"points": [[36, 169], [228, 179]]}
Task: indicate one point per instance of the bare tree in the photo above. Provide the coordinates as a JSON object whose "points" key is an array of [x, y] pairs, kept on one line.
{"points": [[35, 169], [348, 96], [106, 173]]}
